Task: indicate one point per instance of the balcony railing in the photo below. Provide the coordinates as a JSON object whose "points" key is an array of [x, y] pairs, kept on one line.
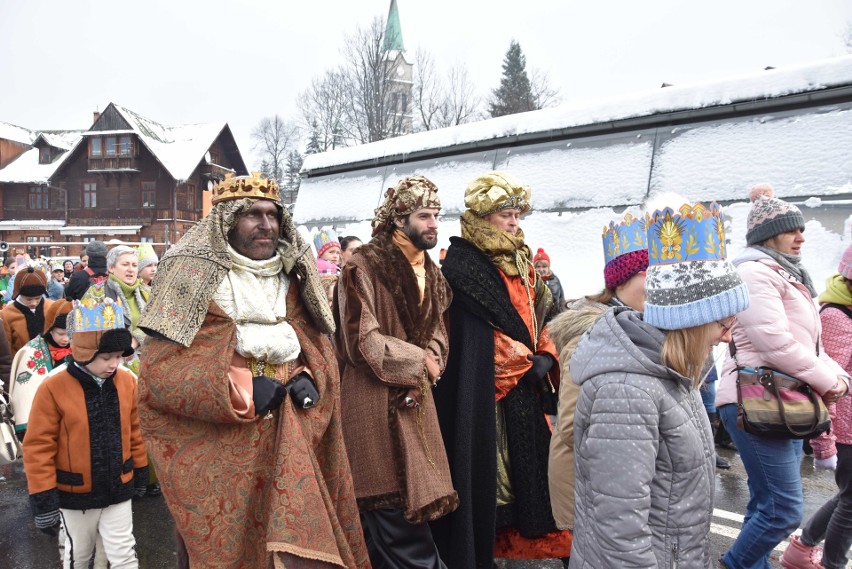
{"points": [[116, 163]]}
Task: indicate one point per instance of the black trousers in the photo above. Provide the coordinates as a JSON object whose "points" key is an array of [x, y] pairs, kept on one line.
{"points": [[393, 543]]}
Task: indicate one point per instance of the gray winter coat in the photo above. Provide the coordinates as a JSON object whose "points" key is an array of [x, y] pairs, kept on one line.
{"points": [[644, 461]]}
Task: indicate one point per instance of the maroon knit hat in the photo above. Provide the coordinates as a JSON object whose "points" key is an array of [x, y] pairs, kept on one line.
{"points": [[622, 268]]}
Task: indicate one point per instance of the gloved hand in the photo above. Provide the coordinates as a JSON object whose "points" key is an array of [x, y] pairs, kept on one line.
{"points": [[541, 364], [140, 482], [267, 394], [303, 390], [48, 522], [829, 463]]}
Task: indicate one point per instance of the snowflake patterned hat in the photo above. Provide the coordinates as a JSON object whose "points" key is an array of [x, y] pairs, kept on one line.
{"points": [[770, 216], [325, 240], [845, 266], [96, 325], [689, 282], [625, 250]]}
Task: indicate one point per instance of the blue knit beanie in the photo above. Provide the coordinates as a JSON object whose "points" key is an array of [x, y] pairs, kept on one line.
{"points": [[689, 282]]}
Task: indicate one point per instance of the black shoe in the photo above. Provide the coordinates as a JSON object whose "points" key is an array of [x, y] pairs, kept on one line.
{"points": [[722, 462], [807, 448], [153, 489]]}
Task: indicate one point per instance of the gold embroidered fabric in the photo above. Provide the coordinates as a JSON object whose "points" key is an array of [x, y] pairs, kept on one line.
{"points": [[505, 495]]}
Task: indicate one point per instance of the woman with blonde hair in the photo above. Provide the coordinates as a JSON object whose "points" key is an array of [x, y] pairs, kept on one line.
{"points": [[644, 453]]}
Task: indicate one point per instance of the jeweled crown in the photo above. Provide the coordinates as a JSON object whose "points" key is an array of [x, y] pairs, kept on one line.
{"points": [[96, 312], [692, 233], [626, 236], [238, 187]]}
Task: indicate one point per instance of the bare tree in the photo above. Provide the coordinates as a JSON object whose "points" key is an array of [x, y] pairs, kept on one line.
{"points": [[544, 95], [462, 104], [440, 102], [376, 106], [846, 36], [273, 137], [323, 108]]}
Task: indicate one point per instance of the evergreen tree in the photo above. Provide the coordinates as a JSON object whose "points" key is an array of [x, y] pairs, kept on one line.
{"points": [[313, 146], [292, 179], [514, 95]]}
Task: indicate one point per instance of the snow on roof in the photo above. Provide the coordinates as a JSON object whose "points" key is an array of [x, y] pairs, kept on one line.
{"points": [[766, 84], [178, 148], [62, 139], [25, 169], [16, 133]]}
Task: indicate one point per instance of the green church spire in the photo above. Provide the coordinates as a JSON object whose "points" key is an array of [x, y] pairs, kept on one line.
{"points": [[393, 31]]}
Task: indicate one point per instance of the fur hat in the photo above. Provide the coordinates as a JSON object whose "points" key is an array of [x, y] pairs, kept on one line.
{"points": [[770, 216], [410, 194], [689, 282], [845, 266], [29, 281], [540, 255], [96, 326], [625, 250], [325, 240], [496, 191], [56, 315], [147, 256]]}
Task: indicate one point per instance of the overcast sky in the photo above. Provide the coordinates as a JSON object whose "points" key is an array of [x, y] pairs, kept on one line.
{"points": [[186, 61]]}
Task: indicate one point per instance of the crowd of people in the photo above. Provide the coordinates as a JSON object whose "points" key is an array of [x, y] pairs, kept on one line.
{"points": [[358, 404]]}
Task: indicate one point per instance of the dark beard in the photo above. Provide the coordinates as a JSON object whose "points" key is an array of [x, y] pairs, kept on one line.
{"points": [[247, 247], [422, 243]]}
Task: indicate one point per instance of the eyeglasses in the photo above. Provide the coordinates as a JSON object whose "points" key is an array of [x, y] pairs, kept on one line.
{"points": [[727, 327]]}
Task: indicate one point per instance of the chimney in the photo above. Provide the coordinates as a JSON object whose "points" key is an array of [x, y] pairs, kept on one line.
{"points": [[95, 116]]}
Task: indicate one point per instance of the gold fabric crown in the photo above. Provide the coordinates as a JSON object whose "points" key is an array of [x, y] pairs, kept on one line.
{"points": [[238, 187], [495, 191]]}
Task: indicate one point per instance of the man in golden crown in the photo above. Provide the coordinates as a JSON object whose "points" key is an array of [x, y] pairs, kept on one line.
{"points": [[239, 392], [392, 344]]}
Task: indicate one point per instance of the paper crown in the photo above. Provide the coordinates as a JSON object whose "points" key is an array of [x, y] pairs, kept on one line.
{"points": [[693, 233], [324, 240], [624, 237], [238, 187], [95, 312]]}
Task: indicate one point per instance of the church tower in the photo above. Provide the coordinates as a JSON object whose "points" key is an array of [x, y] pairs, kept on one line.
{"points": [[401, 72]]}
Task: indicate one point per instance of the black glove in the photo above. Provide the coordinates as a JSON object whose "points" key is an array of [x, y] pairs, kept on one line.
{"points": [[541, 364], [140, 482], [48, 522], [267, 394], [303, 390]]}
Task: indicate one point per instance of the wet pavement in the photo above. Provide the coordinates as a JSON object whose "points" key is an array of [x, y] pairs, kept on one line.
{"points": [[22, 546]]}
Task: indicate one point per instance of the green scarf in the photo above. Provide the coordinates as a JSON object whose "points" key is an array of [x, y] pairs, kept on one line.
{"points": [[134, 298], [836, 291]]}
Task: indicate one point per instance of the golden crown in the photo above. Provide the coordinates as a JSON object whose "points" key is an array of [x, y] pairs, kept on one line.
{"points": [[237, 187]]}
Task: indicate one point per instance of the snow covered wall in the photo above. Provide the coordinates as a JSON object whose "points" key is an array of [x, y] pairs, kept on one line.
{"points": [[587, 164]]}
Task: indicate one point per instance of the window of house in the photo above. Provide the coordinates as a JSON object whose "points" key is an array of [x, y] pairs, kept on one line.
{"points": [[111, 146], [38, 239], [190, 197], [125, 145], [95, 147], [39, 198], [44, 155], [90, 194], [149, 194], [214, 157], [404, 100], [143, 239]]}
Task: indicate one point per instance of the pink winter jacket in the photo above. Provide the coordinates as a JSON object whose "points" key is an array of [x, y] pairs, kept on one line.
{"points": [[837, 337], [780, 329]]}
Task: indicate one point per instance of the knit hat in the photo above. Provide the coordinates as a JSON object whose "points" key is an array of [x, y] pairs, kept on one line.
{"points": [[29, 281], [625, 250], [770, 216], [55, 316], [147, 256], [410, 194], [97, 252], [845, 266], [689, 282], [496, 191], [540, 255], [96, 326], [325, 240]]}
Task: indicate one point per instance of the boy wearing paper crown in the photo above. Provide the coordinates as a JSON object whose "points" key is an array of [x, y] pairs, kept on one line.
{"points": [[83, 453]]}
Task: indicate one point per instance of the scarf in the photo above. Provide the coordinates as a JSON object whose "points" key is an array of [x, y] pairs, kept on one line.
{"points": [[792, 264], [507, 251], [836, 292], [34, 318], [189, 274], [416, 257], [254, 295], [133, 297]]}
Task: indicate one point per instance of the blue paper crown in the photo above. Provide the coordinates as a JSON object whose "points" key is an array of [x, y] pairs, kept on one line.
{"points": [[95, 312], [693, 233], [325, 236], [626, 236]]}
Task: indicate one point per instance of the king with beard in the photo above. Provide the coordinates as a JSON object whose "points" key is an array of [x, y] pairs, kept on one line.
{"points": [[239, 393], [391, 340]]}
